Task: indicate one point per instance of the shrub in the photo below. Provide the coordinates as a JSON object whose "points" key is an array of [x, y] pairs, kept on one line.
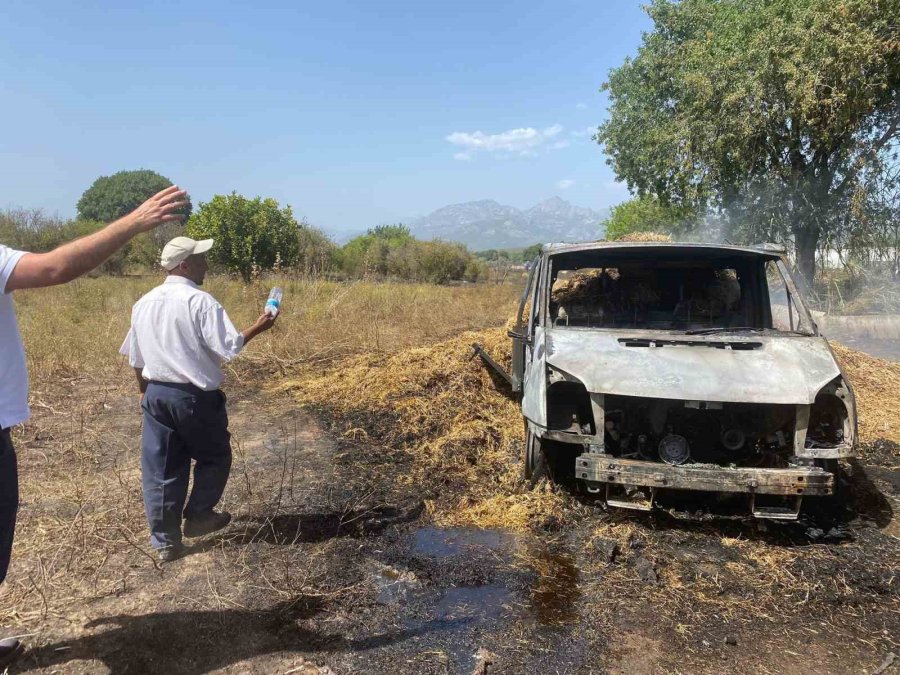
{"points": [[251, 234]]}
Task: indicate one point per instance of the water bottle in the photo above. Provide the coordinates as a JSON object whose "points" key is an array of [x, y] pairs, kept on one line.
{"points": [[273, 304]]}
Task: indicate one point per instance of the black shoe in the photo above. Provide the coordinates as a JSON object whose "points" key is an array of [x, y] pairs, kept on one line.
{"points": [[170, 553], [10, 650], [210, 522]]}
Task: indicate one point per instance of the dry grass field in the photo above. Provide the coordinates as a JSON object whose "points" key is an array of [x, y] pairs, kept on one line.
{"points": [[76, 330], [380, 523]]}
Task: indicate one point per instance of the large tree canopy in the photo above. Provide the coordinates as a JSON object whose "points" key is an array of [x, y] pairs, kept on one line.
{"points": [[111, 197], [775, 111]]}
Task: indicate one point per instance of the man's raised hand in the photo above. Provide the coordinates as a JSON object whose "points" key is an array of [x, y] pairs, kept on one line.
{"points": [[163, 207], [265, 322]]}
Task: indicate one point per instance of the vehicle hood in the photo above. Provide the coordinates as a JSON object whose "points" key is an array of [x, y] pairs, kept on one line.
{"points": [[783, 369]]}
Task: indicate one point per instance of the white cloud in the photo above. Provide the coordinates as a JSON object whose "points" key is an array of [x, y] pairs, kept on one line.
{"points": [[462, 157], [581, 106], [587, 132], [523, 141], [559, 145], [565, 183]]}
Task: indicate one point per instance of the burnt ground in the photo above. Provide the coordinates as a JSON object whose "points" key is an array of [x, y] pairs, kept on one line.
{"points": [[333, 563]]}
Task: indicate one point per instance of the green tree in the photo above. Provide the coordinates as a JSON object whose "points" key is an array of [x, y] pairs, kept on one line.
{"points": [[251, 234], [772, 111], [111, 197], [647, 214]]}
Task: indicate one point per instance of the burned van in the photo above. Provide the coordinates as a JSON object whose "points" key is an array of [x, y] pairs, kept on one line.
{"points": [[649, 367]]}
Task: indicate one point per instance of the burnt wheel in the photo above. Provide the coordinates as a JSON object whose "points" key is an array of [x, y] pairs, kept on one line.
{"points": [[534, 468]]}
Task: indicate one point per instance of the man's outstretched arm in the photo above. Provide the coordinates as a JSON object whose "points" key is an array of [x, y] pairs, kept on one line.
{"points": [[78, 257], [261, 325]]}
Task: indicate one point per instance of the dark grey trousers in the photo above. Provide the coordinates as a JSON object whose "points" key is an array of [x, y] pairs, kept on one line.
{"points": [[9, 499], [182, 423]]}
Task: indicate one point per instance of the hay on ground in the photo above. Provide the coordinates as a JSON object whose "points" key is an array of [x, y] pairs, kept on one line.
{"points": [[876, 383]]}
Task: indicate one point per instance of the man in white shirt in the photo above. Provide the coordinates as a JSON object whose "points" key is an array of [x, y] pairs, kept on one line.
{"points": [[20, 270], [179, 338]]}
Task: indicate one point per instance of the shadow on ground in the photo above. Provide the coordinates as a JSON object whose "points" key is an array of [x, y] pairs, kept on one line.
{"points": [[203, 641]]}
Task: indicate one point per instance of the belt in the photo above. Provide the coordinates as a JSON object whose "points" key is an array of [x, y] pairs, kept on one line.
{"points": [[184, 386]]}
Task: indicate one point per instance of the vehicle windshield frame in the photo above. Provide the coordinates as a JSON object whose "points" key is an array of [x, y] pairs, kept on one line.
{"points": [[806, 327]]}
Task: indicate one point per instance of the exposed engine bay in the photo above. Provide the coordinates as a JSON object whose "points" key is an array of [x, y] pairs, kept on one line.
{"points": [[678, 432]]}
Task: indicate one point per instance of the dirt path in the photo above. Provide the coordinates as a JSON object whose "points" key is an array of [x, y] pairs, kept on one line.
{"points": [[331, 564]]}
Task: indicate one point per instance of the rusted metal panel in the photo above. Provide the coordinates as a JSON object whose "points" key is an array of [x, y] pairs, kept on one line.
{"points": [[805, 481]]}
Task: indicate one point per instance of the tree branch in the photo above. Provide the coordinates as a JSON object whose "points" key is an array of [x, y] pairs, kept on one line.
{"points": [[871, 153]]}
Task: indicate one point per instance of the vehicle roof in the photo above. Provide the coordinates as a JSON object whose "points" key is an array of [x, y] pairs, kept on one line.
{"points": [[764, 250]]}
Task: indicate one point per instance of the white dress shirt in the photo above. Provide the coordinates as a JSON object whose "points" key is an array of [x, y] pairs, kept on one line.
{"points": [[13, 374], [181, 334]]}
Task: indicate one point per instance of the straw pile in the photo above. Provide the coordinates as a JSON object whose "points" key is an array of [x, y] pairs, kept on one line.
{"points": [[876, 383], [644, 237], [443, 408]]}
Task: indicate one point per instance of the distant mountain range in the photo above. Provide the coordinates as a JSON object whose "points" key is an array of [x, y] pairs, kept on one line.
{"points": [[486, 224]]}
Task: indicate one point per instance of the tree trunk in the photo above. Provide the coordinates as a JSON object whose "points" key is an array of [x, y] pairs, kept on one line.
{"points": [[806, 241]]}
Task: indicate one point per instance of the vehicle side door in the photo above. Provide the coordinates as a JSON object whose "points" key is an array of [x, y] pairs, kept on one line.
{"points": [[521, 335]]}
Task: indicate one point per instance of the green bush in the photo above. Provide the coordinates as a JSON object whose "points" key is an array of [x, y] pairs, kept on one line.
{"points": [[391, 251], [377, 251], [251, 235]]}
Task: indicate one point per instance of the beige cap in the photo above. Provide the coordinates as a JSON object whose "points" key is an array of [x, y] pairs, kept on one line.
{"points": [[177, 251]]}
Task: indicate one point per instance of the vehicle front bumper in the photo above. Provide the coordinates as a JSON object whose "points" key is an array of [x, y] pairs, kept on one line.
{"points": [[792, 481]]}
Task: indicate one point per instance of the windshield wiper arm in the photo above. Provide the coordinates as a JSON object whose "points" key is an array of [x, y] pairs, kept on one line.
{"points": [[738, 329], [721, 329]]}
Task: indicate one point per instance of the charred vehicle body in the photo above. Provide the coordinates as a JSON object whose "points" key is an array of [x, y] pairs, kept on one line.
{"points": [[650, 367]]}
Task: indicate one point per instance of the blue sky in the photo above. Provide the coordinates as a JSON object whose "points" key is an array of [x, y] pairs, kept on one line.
{"points": [[354, 113]]}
